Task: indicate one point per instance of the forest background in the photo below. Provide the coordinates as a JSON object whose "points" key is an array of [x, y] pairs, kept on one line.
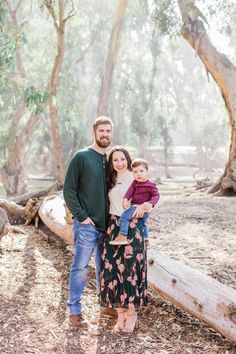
{"points": [[164, 71], [164, 103]]}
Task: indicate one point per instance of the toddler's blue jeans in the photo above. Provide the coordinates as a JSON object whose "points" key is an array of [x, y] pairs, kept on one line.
{"points": [[125, 218]]}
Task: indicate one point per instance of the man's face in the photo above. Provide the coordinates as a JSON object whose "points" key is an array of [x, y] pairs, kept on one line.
{"points": [[103, 135]]}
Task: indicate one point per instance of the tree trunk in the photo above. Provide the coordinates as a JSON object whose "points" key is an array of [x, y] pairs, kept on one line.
{"points": [[12, 172], [59, 24], [23, 199], [55, 216], [24, 208], [18, 213], [224, 74], [113, 49], [167, 174], [194, 292]]}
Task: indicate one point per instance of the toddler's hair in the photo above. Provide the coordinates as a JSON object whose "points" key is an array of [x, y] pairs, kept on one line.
{"points": [[139, 162]]}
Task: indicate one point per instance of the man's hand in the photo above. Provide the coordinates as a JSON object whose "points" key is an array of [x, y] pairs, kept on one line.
{"points": [[125, 203], [87, 221], [141, 209]]}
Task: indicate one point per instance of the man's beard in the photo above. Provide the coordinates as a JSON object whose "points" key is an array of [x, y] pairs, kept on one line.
{"points": [[103, 143]]}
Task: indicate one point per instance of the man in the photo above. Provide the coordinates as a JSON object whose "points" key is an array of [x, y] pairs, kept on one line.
{"points": [[86, 197]]}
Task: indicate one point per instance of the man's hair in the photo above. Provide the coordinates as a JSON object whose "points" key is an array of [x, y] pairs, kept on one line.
{"points": [[139, 162], [102, 120]]}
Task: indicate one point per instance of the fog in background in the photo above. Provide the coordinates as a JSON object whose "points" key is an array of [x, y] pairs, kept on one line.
{"points": [[164, 105]]}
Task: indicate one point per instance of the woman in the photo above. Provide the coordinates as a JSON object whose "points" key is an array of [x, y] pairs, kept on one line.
{"points": [[123, 268]]}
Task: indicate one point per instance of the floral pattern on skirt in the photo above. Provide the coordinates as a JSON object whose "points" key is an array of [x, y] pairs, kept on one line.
{"points": [[124, 268]]}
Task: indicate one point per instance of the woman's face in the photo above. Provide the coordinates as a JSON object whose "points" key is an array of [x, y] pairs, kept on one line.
{"points": [[119, 161]]}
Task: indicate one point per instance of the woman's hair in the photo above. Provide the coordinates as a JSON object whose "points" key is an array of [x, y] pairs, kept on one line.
{"points": [[112, 174]]}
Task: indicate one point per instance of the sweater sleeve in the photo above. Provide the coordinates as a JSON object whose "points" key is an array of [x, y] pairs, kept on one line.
{"points": [[71, 187], [155, 195], [130, 192]]}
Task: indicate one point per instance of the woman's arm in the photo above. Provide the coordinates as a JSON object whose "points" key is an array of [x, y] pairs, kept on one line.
{"points": [[141, 209]]}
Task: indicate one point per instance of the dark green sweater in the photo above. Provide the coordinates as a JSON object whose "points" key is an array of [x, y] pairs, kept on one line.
{"points": [[85, 187]]}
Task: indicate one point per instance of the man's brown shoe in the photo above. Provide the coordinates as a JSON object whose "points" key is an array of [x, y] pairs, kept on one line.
{"points": [[77, 321], [108, 311]]}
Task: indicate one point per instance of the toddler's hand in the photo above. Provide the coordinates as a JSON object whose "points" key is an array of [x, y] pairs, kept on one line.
{"points": [[125, 203]]}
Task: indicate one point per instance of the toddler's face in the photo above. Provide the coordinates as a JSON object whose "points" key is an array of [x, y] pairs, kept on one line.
{"points": [[140, 173]]}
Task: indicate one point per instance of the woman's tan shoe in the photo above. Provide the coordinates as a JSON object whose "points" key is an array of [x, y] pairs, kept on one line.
{"points": [[130, 322], [122, 316]]}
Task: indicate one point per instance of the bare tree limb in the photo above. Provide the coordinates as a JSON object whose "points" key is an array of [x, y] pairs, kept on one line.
{"points": [[52, 13], [23, 22]]}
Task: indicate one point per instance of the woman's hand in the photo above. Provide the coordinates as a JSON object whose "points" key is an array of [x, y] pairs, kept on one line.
{"points": [[125, 203], [141, 209]]}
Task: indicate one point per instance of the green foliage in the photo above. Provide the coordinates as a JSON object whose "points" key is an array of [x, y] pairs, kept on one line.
{"points": [[154, 78], [2, 12], [161, 130], [4, 131], [164, 13], [7, 54], [35, 100], [7, 45]]}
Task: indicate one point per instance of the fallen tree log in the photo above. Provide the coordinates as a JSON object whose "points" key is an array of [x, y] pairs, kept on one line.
{"points": [[54, 215], [196, 293], [185, 287], [23, 198], [18, 213]]}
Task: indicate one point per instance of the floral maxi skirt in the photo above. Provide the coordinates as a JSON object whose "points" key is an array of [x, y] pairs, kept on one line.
{"points": [[124, 268]]}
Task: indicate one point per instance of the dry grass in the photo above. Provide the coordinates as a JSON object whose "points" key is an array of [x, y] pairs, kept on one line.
{"points": [[34, 287]]}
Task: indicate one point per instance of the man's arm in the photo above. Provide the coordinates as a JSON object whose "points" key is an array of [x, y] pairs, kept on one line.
{"points": [[71, 187]]}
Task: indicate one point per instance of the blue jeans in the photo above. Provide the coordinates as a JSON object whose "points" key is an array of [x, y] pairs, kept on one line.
{"points": [[125, 218], [86, 241]]}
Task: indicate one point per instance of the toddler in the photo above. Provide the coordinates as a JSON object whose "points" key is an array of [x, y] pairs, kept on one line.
{"points": [[140, 191]]}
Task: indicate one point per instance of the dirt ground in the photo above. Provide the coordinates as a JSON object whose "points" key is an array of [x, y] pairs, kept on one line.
{"points": [[190, 226]]}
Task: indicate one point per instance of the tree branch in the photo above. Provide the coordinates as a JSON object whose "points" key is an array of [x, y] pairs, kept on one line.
{"points": [[52, 13], [23, 22], [17, 5]]}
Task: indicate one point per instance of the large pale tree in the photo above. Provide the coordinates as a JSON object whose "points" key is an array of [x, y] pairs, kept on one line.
{"points": [[59, 16], [12, 172], [113, 49], [223, 72]]}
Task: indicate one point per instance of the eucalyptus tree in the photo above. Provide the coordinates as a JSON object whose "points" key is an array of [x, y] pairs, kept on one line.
{"points": [[134, 80], [194, 27], [185, 105], [7, 55], [87, 38], [12, 171], [60, 16], [223, 72], [111, 59]]}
